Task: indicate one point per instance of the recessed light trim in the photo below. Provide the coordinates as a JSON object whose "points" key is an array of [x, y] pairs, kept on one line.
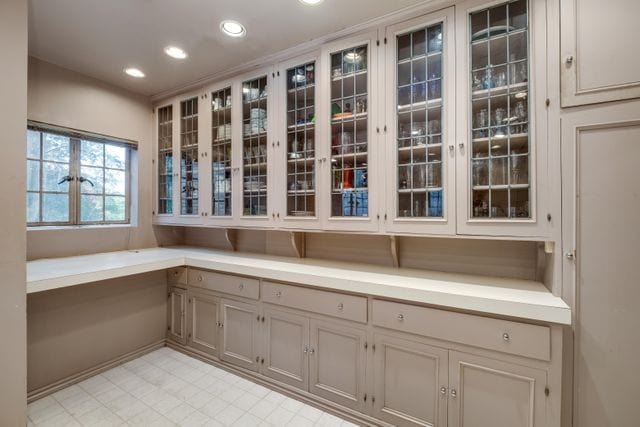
{"points": [[175, 52], [311, 2], [134, 72], [233, 28]]}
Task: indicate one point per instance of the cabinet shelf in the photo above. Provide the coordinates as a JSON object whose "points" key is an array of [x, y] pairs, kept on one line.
{"points": [[500, 90], [431, 103], [300, 88], [301, 126], [344, 76], [418, 57], [501, 187], [301, 192], [348, 118], [302, 160], [418, 190]]}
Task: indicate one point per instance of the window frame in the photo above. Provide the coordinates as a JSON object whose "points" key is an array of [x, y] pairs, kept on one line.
{"points": [[75, 164]]}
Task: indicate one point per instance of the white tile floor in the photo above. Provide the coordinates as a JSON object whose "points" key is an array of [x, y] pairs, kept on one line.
{"points": [[168, 388]]}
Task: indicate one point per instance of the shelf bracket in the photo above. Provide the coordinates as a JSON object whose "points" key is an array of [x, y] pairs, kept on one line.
{"points": [[231, 235], [393, 241], [299, 244]]}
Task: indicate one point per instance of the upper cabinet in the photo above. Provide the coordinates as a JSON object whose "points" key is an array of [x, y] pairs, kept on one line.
{"points": [[435, 125], [598, 63], [350, 100], [501, 118], [420, 116], [298, 159]]}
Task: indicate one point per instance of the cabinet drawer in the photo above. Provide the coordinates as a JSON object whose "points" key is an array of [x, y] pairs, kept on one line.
{"points": [[177, 276], [225, 283], [348, 307], [521, 339]]}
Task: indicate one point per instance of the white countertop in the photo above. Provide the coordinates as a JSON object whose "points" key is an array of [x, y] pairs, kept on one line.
{"points": [[523, 299]]}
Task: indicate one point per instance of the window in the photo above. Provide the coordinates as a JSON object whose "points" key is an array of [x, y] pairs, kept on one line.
{"points": [[75, 178]]}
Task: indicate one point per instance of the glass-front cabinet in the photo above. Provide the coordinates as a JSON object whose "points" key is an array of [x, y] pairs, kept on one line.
{"points": [[189, 156], [350, 158], [221, 153], [165, 160], [257, 146], [420, 89], [504, 138], [299, 153]]}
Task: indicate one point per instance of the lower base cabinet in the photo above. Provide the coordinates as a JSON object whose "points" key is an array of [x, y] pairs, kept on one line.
{"points": [[398, 378], [286, 348], [240, 339], [491, 393], [203, 322], [176, 309], [337, 362], [410, 382]]}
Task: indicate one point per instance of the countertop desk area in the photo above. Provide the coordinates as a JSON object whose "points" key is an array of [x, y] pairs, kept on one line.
{"points": [[523, 299]]}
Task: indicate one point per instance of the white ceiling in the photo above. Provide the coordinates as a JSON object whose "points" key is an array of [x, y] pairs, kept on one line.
{"points": [[100, 38]]}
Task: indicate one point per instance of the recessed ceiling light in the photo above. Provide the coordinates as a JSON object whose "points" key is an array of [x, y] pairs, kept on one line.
{"points": [[232, 28], [134, 72], [311, 2], [175, 52]]}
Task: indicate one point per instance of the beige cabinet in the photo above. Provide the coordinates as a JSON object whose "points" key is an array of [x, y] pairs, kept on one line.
{"points": [[176, 309], [337, 362], [410, 382], [599, 61], [203, 322], [286, 346], [490, 393], [239, 343]]}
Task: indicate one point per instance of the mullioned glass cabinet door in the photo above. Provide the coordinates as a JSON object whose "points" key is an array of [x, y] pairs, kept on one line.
{"points": [[164, 134], [189, 156], [221, 153], [350, 159], [502, 80], [420, 94], [255, 93]]}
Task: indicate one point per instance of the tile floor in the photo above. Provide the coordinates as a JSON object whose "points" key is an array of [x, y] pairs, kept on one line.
{"points": [[168, 388]]}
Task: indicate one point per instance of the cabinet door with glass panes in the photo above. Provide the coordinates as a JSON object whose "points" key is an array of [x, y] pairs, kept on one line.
{"points": [[220, 156], [351, 137], [501, 148], [420, 94], [257, 148], [298, 158], [166, 176]]}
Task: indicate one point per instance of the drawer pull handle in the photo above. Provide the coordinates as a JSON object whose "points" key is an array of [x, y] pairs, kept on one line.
{"points": [[443, 391], [400, 317], [241, 286], [305, 350], [199, 278], [278, 294], [175, 273], [506, 337], [312, 350], [340, 307], [454, 393]]}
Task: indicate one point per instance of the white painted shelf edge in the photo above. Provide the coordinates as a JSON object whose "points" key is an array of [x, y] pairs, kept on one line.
{"points": [[522, 299]]}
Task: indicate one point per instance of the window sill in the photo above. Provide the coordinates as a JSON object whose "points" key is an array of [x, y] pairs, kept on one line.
{"points": [[78, 227]]}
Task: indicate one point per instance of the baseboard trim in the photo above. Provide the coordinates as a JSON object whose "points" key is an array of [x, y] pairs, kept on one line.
{"points": [[81, 376], [308, 398]]}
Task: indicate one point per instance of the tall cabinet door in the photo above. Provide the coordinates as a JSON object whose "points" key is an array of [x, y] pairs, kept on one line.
{"points": [[298, 159], [286, 348], [489, 393], [337, 360], [420, 144], [599, 65], [258, 148], [501, 113], [410, 382], [164, 164], [351, 139], [203, 323], [176, 310], [240, 334]]}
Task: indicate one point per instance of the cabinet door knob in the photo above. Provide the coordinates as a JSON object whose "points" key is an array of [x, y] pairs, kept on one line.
{"points": [[175, 273], [278, 294], [569, 60], [454, 393], [257, 359], [312, 350], [443, 390], [570, 255], [400, 317], [305, 350], [199, 278], [241, 286], [340, 307], [506, 336]]}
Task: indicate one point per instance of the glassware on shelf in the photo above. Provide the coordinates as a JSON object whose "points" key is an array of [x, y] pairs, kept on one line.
{"points": [[254, 140]]}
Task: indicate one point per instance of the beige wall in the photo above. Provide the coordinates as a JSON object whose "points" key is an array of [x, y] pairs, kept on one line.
{"points": [[13, 112], [74, 329], [65, 98]]}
